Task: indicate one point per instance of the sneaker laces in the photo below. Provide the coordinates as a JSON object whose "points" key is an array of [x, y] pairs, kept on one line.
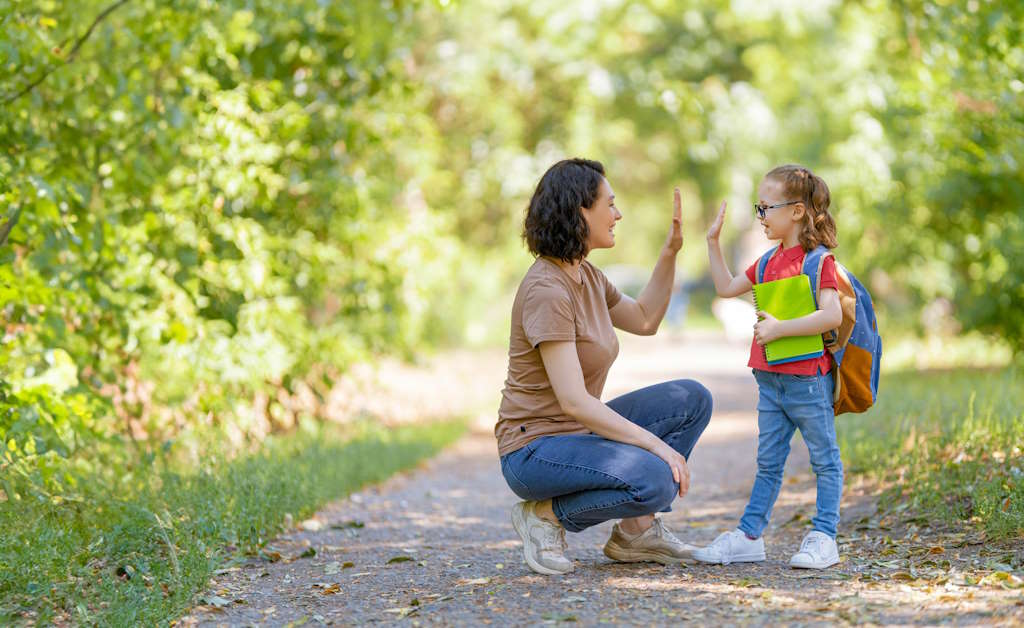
{"points": [[722, 541], [663, 532], [552, 536], [812, 544]]}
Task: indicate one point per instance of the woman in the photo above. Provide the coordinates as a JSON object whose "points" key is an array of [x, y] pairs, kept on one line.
{"points": [[577, 461]]}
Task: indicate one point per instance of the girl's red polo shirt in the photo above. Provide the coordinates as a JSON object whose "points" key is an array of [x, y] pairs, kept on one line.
{"points": [[789, 263]]}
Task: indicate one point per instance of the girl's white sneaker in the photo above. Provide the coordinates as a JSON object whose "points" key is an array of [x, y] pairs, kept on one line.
{"points": [[732, 547], [817, 551]]}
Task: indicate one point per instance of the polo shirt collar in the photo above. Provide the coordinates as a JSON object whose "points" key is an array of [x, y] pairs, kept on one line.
{"points": [[792, 253]]}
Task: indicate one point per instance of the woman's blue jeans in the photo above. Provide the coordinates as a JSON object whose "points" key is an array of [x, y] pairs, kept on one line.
{"points": [[787, 403], [590, 479]]}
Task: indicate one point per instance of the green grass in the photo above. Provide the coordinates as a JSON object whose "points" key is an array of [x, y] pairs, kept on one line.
{"points": [[949, 443], [906, 351], [138, 557]]}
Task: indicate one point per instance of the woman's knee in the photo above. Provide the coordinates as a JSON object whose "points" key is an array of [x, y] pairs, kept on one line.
{"points": [[705, 401], [698, 400], [656, 493]]}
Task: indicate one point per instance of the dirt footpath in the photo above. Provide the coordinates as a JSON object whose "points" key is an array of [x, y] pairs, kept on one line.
{"points": [[435, 545]]}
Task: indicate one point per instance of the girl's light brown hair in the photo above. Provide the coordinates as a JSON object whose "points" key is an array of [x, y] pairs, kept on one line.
{"points": [[799, 183]]}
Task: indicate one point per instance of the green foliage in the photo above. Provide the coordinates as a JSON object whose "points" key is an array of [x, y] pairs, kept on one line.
{"points": [[138, 554], [206, 203], [955, 132], [909, 110], [950, 442]]}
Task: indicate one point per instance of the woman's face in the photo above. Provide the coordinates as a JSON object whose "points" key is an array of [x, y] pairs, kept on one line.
{"points": [[601, 218]]}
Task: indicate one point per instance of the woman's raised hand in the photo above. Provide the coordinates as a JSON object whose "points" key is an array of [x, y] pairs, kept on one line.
{"points": [[674, 241], [716, 226]]}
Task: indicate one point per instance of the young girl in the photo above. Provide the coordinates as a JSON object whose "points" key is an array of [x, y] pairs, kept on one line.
{"points": [[793, 208]]}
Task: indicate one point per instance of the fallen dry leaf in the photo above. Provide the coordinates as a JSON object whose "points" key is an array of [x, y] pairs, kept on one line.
{"points": [[402, 611], [1002, 579], [215, 600], [472, 582], [344, 525]]}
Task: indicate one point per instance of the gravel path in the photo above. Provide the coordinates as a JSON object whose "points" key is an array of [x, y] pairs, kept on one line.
{"points": [[435, 546]]}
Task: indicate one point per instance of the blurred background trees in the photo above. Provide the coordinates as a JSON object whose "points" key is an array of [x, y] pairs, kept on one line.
{"points": [[210, 202]]}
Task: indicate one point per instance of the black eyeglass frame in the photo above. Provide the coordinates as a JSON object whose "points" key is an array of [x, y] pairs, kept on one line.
{"points": [[760, 210]]}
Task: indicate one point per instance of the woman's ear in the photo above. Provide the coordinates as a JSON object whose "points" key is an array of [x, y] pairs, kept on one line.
{"points": [[798, 211]]}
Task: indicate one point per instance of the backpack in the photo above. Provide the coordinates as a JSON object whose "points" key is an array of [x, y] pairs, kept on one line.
{"points": [[856, 346]]}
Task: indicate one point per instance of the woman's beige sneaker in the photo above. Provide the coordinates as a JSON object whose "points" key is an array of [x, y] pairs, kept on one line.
{"points": [[656, 544], [543, 542]]}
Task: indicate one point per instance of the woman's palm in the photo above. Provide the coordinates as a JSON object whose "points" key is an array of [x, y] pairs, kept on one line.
{"points": [[674, 241]]}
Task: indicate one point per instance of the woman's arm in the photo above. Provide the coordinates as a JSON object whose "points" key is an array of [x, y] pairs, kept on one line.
{"points": [[563, 368], [829, 316], [643, 316], [725, 284]]}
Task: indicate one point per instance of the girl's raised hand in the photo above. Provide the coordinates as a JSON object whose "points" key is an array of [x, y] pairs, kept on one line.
{"points": [[674, 241], [716, 226]]}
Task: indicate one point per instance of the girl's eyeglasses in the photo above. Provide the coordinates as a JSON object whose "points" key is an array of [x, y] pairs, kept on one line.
{"points": [[760, 209]]}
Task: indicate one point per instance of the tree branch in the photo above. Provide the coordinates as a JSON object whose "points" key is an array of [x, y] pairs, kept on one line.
{"points": [[71, 55], [6, 229]]}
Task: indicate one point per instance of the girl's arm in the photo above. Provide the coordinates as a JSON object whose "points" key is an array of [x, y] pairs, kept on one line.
{"points": [[725, 284], [828, 316], [566, 376], [643, 315]]}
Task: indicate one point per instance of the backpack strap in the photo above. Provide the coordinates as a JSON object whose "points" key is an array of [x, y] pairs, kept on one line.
{"points": [[813, 262], [762, 263]]}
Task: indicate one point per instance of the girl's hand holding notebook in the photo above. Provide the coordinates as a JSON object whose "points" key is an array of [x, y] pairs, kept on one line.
{"points": [[783, 300], [766, 329]]}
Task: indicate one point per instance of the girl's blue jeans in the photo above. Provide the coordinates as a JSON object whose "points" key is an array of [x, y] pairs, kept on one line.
{"points": [[787, 403], [590, 479]]}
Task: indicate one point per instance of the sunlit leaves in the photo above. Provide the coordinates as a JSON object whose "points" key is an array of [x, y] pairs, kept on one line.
{"points": [[218, 198], [188, 185]]}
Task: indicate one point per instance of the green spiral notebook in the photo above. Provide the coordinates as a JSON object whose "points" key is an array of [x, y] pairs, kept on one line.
{"points": [[786, 299]]}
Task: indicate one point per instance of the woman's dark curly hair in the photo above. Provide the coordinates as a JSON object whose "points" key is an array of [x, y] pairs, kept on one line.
{"points": [[554, 225]]}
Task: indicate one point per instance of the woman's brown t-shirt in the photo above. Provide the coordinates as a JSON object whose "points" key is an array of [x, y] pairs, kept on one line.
{"points": [[550, 305]]}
